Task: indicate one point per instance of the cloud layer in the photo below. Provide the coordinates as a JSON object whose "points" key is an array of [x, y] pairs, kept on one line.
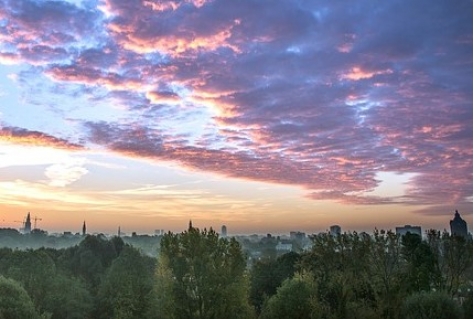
{"points": [[319, 94]]}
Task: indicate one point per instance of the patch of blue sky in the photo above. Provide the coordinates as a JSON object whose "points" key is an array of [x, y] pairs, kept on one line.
{"points": [[320, 14], [293, 49], [362, 107], [10, 94], [84, 3], [185, 118], [35, 102], [90, 108], [190, 122], [156, 58], [180, 90]]}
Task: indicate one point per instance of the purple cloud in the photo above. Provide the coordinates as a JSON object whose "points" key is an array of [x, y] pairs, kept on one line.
{"points": [[318, 94], [18, 135]]}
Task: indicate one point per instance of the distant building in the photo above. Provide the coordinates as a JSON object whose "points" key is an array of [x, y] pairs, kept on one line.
{"points": [[408, 229], [335, 230], [224, 231], [84, 229], [253, 238], [296, 235], [283, 247], [458, 226], [27, 228]]}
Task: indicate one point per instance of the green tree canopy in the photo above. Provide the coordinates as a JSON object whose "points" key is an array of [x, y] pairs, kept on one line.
{"points": [[124, 292], [268, 274], [207, 274], [292, 300], [68, 298], [34, 270], [91, 258], [430, 305], [14, 301]]}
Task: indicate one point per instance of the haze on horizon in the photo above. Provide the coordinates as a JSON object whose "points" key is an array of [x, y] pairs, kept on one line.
{"points": [[266, 116]]}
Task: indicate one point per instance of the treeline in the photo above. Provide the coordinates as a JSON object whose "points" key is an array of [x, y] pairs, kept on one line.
{"points": [[12, 238], [362, 276], [98, 278], [199, 275]]}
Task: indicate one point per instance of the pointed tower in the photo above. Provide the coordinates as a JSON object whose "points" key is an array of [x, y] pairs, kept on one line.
{"points": [[84, 229], [458, 226], [27, 228], [119, 232], [224, 231], [190, 225]]}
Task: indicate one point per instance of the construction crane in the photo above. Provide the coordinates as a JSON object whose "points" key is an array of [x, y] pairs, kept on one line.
{"points": [[36, 219]]}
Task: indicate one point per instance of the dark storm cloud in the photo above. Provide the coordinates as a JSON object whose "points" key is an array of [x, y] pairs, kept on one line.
{"points": [[321, 94]]}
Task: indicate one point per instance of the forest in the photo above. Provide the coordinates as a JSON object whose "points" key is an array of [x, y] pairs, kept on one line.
{"points": [[198, 274]]}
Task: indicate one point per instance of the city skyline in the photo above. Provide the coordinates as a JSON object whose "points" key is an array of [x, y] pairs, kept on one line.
{"points": [[27, 227], [260, 115]]}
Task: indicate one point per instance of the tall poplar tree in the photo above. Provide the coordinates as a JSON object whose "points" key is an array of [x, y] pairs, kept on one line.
{"points": [[206, 275]]}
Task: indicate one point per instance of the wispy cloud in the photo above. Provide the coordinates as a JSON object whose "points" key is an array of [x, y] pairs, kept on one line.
{"points": [[63, 174]]}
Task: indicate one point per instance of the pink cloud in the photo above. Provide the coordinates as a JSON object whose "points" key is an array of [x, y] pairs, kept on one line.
{"points": [[356, 73], [112, 81], [22, 136], [174, 45], [162, 97], [319, 96]]}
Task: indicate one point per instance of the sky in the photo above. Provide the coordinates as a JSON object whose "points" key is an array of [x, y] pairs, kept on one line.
{"points": [[266, 116]]}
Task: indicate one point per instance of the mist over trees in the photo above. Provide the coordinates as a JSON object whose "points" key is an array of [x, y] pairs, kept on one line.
{"points": [[198, 274]]}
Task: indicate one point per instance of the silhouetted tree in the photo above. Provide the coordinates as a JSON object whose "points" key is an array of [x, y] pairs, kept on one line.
{"points": [[420, 268], [384, 265]]}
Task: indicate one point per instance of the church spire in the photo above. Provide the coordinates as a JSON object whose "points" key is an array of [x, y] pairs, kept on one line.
{"points": [[27, 228], [84, 229]]}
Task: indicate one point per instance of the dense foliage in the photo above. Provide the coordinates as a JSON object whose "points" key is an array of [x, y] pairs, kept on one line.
{"points": [[73, 283], [200, 275], [207, 276], [362, 276], [430, 305], [14, 301]]}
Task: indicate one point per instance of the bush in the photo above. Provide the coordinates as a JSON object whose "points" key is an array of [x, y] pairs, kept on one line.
{"points": [[292, 300], [430, 305]]}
